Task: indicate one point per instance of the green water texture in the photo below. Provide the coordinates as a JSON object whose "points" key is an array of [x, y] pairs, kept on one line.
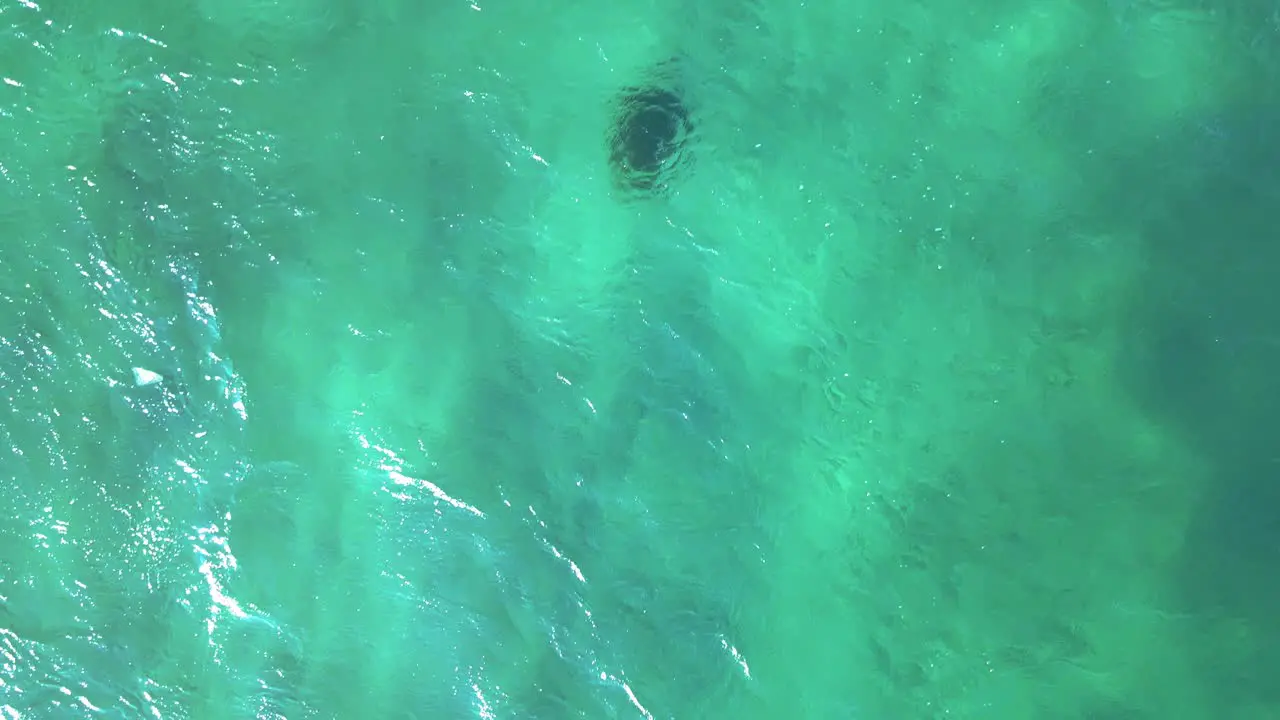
{"points": [[340, 381]]}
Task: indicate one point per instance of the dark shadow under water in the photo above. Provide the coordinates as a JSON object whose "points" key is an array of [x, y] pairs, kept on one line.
{"points": [[1204, 348]]}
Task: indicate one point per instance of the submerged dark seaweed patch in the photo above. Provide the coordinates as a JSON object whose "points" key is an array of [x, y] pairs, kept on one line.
{"points": [[647, 140]]}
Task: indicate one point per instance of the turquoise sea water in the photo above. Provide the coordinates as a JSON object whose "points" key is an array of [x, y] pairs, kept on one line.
{"points": [[341, 382]]}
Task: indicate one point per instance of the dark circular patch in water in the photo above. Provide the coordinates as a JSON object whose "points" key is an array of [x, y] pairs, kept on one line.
{"points": [[647, 141]]}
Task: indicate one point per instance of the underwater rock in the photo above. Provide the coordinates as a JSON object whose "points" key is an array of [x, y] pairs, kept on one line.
{"points": [[648, 140]]}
